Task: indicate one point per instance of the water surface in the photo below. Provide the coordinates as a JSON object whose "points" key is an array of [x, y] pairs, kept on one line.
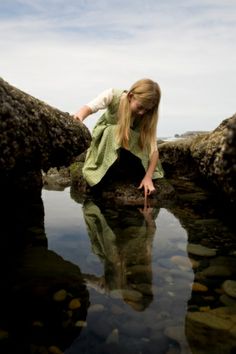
{"points": [[91, 278]]}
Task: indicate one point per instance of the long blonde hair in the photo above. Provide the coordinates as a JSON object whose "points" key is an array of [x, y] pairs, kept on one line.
{"points": [[148, 93]]}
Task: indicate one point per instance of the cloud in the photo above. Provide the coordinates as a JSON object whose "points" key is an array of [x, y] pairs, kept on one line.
{"points": [[67, 52]]}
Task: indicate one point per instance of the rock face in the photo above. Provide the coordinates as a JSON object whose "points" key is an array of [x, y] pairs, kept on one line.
{"points": [[35, 136], [211, 156], [119, 190]]}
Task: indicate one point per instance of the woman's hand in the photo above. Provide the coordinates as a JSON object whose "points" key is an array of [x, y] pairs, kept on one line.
{"points": [[147, 185], [83, 112], [77, 117]]}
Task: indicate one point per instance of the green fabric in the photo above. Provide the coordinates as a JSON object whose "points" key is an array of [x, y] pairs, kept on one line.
{"points": [[103, 150]]}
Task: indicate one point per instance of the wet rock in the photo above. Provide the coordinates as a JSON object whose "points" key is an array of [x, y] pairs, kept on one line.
{"points": [[228, 300], [56, 179], [60, 295], [35, 136], [198, 287], [74, 304], [96, 308], [211, 156], [54, 350], [229, 287], [182, 261], [131, 295], [214, 330], [113, 337], [142, 288], [200, 250], [217, 271], [120, 192], [228, 262], [81, 324]]}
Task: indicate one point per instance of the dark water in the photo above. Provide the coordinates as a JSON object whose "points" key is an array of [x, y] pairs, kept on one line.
{"points": [[95, 279]]}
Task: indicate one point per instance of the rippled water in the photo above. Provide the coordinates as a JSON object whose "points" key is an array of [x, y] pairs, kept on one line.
{"points": [[98, 279]]}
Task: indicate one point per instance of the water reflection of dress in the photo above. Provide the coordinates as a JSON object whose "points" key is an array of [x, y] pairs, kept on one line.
{"points": [[122, 238]]}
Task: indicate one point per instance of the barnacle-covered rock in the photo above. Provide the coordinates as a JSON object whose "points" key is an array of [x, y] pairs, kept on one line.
{"points": [[33, 137], [210, 156]]}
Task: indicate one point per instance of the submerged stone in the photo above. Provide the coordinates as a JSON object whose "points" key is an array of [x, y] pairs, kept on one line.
{"points": [[113, 336], [74, 304], [54, 350], [217, 271], [229, 287], [200, 250], [198, 287], [60, 295], [214, 330]]}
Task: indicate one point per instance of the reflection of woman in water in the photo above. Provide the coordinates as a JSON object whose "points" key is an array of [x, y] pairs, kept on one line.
{"points": [[122, 238]]}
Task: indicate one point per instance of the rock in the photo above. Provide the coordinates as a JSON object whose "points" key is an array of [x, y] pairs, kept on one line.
{"points": [[131, 295], [210, 320], [200, 250], [204, 308], [54, 350], [214, 330], [198, 287], [82, 324], [113, 337], [34, 137], [229, 287], [74, 304], [211, 156], [228, 300], [60, 295], [217, 271], [120, 192], [96, 308], [182, 261], [56, 179]]}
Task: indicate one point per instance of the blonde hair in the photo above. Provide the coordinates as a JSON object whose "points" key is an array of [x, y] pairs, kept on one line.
{"points": [[148, 93]]}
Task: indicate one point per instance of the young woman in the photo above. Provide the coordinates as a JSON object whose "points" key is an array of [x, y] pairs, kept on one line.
{"points": [[129, 123]]}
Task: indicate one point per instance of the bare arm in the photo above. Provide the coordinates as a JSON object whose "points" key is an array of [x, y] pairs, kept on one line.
{"points": [[82, 113], [153, 163], [147, 183], [100, 102]]}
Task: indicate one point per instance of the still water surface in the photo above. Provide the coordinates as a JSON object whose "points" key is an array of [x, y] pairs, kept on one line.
{"points": [[82, 277], [143, 271]]}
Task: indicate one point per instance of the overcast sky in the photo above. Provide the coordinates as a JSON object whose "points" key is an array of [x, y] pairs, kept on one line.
{"points": [[67, 52]]}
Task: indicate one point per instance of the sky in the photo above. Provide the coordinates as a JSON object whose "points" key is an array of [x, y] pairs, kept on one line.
{"points": [[67, 52]]}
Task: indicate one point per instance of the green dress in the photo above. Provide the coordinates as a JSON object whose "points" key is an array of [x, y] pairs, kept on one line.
{"points": [[103, 150]]}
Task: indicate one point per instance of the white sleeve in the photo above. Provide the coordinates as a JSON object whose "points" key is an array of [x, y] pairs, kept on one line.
{"points": [[101, 101]]}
